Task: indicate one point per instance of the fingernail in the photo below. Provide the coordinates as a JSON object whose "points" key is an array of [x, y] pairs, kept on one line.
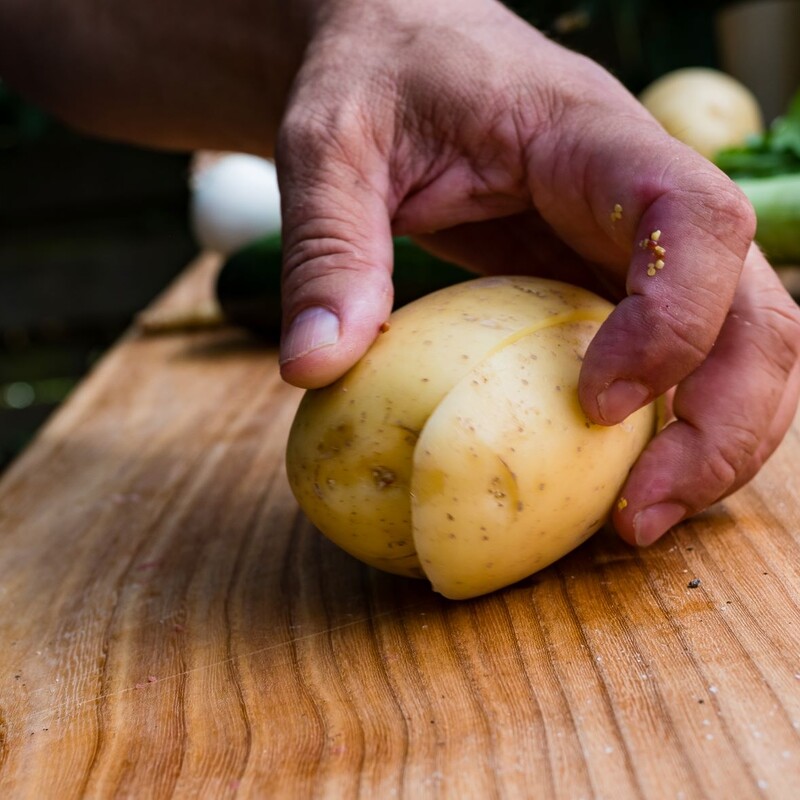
{"points": [[621, 399], [311, 329], [653, 522]]}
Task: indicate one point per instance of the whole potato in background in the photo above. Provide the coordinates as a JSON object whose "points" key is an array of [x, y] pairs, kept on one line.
{"points": [[456, 449], [704, 108]]}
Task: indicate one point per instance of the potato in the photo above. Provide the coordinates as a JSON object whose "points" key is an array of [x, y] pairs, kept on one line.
{"points": [[456, 449], [704, 108]]}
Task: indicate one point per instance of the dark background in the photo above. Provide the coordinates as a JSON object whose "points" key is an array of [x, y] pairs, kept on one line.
{"points": [[89, 233]]}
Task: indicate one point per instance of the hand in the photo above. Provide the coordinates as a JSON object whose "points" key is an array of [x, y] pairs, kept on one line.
{"points": [[501, 151], [457, 123]]}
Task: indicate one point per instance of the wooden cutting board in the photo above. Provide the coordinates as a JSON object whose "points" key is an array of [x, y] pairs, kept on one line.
{"points": [[173, 627]]}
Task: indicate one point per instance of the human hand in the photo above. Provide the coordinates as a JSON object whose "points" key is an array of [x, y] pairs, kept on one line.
{"points": [[497, 149], [459, 124]]}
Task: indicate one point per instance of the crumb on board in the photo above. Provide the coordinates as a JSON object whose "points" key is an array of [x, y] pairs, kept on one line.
{"points": [[694, 583], [384, 327]]}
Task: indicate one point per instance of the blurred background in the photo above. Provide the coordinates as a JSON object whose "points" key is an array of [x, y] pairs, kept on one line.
{"points": [[91, 231]]}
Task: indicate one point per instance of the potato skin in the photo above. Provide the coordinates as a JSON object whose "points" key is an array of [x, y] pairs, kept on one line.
{"points": [[355, 460], [521, 476]]}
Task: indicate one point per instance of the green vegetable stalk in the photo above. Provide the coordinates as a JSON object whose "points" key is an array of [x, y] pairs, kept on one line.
{"points": [[768, 171], [776, 201]]}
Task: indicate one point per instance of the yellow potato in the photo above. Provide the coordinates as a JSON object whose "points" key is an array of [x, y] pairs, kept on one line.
{"points": [[456, 449], [704, 108]]}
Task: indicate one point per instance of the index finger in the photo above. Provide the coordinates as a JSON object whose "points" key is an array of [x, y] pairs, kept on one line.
{"points": [[686, 229]]}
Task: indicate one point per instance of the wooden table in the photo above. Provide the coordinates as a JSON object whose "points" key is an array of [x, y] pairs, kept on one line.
{"points": [[173, 627]]}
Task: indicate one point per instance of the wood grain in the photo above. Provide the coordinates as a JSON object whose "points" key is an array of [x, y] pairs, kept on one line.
{"points": [[173, 627]]}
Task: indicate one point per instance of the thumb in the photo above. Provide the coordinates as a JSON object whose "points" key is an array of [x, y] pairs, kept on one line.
{"points": [[337, 253]]}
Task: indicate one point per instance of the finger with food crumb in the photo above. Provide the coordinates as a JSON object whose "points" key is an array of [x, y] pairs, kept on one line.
{"points": [[678, 249], [730, 414]]}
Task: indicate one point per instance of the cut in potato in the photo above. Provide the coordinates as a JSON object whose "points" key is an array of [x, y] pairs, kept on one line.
{"points": [[456, 449]]}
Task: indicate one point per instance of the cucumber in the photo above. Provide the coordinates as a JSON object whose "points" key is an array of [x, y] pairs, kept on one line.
{"points": [[248, 286], [776, 201]]}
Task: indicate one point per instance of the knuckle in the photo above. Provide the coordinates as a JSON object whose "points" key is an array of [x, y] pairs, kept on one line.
{"points": [[687, 331], [787, 317], [733, 216], [325, 265], [314, 133], [677, 340], [723, 211], [311, 257], [721, 215], [733, 452], [331, 119], [778, 335]]}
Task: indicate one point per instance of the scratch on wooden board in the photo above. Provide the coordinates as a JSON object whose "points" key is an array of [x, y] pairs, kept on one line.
{"points": [[70, 709]]}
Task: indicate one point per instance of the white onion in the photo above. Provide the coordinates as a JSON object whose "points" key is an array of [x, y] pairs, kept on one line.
{"points": [[235, 201]]}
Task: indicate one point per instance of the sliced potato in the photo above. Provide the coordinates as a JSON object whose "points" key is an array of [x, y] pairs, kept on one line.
{"points": [[509, 474], [376, 458]]}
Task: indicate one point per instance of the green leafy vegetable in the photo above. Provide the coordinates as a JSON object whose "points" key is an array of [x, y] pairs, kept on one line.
{"points": [[767, 169], [775, 152]]}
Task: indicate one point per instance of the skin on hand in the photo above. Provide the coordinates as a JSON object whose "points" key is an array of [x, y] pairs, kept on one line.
{"points": [[460, 125], [529, 158]]}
